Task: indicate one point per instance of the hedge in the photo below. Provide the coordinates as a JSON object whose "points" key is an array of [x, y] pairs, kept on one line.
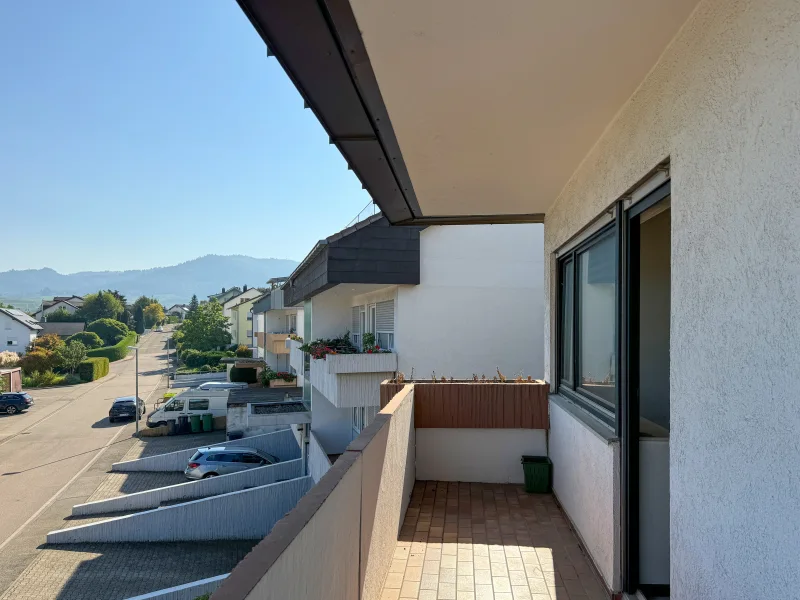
{"points": [[88, 338], [195, 359], [93, 368], [243, 374], [116, 352], [109, 330]]}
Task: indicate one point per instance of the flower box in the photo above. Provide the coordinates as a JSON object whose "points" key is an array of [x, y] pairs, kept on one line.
{"points": [[279, 383]]}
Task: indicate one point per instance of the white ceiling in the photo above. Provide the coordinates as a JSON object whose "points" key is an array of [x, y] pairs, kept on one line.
{"points": [[494, 104]]}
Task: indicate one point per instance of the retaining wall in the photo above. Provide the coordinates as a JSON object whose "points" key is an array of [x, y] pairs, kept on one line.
{"points": [[187, 591], [278, 443], [244, 515], [192, 490]]}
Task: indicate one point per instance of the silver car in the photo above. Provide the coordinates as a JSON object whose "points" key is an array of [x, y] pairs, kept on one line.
{"points": [[222, 460]]}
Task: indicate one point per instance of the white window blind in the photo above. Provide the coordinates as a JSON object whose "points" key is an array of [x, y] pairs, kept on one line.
{"points": [[384, 324]]}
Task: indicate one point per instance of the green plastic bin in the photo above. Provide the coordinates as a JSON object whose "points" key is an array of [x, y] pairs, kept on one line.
{"points": [[208, 422], [538, 474], [195, 421]]}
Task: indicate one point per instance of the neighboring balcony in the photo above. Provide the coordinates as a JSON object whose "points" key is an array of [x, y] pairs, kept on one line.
{"points": [[350, 380], [276, 343]]}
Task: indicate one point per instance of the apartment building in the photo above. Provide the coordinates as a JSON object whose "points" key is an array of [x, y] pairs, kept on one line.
{"points": [[658, 144], [447, 302], [273, 323]]}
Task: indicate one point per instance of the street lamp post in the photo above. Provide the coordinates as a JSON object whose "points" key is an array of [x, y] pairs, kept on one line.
{"points": [[136, 416]]}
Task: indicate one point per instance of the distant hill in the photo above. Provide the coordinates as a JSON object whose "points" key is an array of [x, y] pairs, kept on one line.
{"points": [[202, 276]]}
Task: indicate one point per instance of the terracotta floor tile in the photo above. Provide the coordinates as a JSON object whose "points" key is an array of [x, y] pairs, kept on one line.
{"points": [[446, 591], [484, 592], [393, 581], [410, 589], [427, 595], [429, 581], [501, 584]]}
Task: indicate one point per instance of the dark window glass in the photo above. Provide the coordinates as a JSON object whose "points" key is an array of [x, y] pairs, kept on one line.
{"points": [[251, 459], [567, 314], [597, 319], [198, 404]]}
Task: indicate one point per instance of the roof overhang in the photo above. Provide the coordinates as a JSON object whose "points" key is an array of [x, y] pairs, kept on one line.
{"points": [[463, 111]]}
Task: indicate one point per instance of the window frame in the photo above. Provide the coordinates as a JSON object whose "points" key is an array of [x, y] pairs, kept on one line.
{"points": [[600, 408]]}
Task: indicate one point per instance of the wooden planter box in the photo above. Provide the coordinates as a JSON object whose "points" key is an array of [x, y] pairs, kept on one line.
{"points": [[278, 383], [471, 405]]}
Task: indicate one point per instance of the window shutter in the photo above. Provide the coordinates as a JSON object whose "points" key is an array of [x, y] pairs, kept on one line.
{"points": [[356, 324], [385, 316]]}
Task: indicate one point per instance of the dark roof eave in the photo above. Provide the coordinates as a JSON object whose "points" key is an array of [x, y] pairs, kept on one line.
{"points": [[321, 49]]}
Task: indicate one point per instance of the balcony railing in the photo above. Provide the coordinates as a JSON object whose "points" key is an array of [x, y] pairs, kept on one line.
{"points": [[296, 356], [364, 508], [349, 380], [276, 343]]}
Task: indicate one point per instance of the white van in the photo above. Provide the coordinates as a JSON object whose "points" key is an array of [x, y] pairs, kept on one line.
{"points": [[190, 402]]}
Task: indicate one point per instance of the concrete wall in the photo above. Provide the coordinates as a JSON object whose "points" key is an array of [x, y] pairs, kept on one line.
{"points": [[318, 461], [586, 483], [481, 455], [281, 444], [192, 490], [346, 526], [187, 591], [332, 426], [243, 515], [722, 104], [479, 304]]}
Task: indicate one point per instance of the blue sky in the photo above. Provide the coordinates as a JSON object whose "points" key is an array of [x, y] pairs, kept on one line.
{"points": [[136, 134]]}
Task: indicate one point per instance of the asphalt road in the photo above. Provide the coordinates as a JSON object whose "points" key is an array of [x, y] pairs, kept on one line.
{"points": [[47, 448]]}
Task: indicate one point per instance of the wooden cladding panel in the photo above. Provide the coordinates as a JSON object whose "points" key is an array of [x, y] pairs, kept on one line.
{"points": [[471, 405]]}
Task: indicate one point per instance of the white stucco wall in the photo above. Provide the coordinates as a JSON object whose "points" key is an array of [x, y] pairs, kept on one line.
{"points": [[480, 455], [331, 312], [723, 104], [12, 330], [586, 483], [479, 304]]}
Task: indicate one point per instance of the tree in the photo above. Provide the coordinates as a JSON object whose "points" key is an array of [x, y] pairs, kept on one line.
{"points": [[102, 305], [88, 338], [154, 314], [144, 302], [138, 318], [206, 328], [6, 305], [193, 303], [109, 330], [62, 315], [39, 359], [8, 359], [71, 355], [48, 341]]}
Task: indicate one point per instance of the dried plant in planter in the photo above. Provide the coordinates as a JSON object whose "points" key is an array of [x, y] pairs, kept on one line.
{"points": [[502, 377], [400, 378]]}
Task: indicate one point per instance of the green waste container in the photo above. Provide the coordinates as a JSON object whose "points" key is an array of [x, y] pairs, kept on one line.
{"points": [[538, 474], [195, 421], [208, 422]]}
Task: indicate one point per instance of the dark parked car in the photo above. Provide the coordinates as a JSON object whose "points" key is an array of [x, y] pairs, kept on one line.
{"points": [[123, 408], [12, 403]]}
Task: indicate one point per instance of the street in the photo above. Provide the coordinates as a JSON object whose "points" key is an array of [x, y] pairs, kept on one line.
{"points": [[44, 451]]}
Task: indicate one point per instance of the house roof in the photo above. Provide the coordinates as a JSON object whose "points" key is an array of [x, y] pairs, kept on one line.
{"points": [[51, 303], [229, 300], [62, 329], [179, 307], [21, 317], [263, 303], [370, 252]]}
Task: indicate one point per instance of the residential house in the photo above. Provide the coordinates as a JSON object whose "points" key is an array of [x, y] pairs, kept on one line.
{"points": [[273, 322], [69, 303], [237, 309], [438, 301], [178, 310], [18, 330], [62, 330], [225, 295], [659, 144]]}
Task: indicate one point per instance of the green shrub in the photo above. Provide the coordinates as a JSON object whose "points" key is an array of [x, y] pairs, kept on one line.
{"points": [[93, 368], [41, 379], [72, 379], [206, 369], [195, 359], [88, 338], [108, 330], [117, 351], [39, 360], [243, 374]]}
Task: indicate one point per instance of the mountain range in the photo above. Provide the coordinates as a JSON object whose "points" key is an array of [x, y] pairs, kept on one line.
{"points": [[202, 276]]}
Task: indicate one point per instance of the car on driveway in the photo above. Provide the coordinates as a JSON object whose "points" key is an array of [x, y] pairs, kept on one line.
{"points": [[123, 408], [223, 460], [12, 403]]}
